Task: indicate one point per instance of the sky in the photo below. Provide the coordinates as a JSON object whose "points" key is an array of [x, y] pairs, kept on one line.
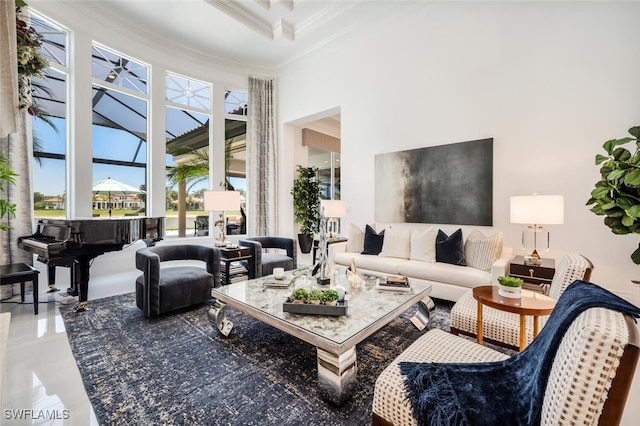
{"points": [[49, 176]]}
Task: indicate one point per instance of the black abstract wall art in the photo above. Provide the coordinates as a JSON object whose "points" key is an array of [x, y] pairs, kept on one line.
{"points": [[446, 184]]}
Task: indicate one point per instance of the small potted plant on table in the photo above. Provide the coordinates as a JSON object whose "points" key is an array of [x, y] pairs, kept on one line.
{"points": [[330, 297], [314, 296], [299, 295], [510, 287]]}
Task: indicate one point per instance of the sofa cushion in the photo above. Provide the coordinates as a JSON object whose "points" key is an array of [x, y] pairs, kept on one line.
{"points": [[355, 243], [275, 260], [450, 248], [372, 241], [445, 273], [423, 245], [384, 265], [480, 252], [396, 244]]}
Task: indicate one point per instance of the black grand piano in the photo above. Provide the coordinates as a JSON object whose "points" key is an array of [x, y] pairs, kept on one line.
{"points": [[76, 242]]}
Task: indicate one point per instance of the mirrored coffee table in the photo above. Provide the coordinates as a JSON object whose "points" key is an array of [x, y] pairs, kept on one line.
{"points": [[335, 337]]}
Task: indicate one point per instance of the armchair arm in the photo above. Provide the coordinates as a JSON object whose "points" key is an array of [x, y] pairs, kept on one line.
{"points": [[501, 266], [334, 248], [149, 263], [213, 265], [255, 248]]}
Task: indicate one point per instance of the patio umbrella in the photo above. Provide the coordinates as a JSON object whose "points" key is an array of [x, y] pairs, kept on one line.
{"points": [[108, 186]]}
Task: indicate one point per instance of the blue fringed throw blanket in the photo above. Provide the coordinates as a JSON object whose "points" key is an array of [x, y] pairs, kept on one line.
{"points": [[503, 392]]}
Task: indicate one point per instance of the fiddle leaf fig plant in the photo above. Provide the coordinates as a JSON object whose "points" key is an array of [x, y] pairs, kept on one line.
{"points": [[617, 194]]}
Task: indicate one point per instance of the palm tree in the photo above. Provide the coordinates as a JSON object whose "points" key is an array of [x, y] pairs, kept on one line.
{"points": [[194, 168]]}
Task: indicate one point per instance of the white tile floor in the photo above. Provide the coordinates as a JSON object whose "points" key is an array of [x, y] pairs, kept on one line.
{"points": [[42, 383]]}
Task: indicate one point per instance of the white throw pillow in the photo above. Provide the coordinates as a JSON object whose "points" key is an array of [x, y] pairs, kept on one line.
{"points": [[396, 244], [480, 252], [355, 243], [423, 245]]}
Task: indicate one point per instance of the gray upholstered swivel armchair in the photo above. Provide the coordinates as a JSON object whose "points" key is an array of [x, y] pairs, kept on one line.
{"points": [[264, 262], [165, 288]]}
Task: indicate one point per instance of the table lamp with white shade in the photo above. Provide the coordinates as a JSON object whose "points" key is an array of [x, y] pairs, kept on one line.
{"points": [[333, 209], [330, 210], [221, 201], [536, 211]]}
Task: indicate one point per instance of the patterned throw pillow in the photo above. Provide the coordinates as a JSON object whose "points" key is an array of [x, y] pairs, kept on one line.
{"points": [[480, 251]]}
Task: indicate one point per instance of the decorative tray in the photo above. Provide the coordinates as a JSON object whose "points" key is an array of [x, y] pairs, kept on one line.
{"points": [[337, 310]]}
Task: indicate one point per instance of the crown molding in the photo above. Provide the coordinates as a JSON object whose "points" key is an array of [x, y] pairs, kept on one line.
{"points": [[69, 14], [264, 3], [288, 4], [285, 29], [235, 10]]}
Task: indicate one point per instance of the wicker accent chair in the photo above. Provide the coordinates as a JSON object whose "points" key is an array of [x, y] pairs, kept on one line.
{"points": [[588, 383], [503, 328]]}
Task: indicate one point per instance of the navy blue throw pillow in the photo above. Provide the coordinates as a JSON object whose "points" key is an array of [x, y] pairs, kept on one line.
{"points": [[372, 241], [450, 249]]}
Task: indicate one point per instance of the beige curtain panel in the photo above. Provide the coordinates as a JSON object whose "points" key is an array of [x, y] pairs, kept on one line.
{"points": [[261, 155]]}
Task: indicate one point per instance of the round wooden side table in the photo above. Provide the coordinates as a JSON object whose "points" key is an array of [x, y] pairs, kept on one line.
{"points": [[531, 303]]}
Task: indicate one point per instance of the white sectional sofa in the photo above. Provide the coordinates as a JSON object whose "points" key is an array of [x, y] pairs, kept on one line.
{"points": [[413, 259]]}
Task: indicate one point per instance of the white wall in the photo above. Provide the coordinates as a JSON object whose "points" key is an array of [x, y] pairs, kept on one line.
{"points": [[550, 82]]}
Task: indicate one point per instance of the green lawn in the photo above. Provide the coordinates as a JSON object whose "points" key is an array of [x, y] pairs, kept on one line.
{"points": [[116, 213]]}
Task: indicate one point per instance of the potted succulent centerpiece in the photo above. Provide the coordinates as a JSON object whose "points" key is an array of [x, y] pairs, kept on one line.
{"points": [[314, 296], [306, 205], [510, 287], [330, 297], [299, 295]]}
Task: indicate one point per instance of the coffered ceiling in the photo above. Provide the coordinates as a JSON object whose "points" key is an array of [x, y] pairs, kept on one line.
{"points": [[258, 32]]}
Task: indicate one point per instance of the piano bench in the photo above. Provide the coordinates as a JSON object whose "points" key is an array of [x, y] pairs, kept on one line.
{"points": [[21, 273]]}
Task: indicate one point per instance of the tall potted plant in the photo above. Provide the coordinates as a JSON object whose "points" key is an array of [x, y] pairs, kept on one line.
{"points": [[306, 205], [617, 194]]}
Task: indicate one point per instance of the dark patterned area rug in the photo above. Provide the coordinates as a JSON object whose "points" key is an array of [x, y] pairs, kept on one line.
{"points": [[177, 369]]}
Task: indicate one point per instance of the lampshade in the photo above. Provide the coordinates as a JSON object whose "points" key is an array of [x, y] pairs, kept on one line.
{"points": [[538, 209], [333, 208], [219, 201]]}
